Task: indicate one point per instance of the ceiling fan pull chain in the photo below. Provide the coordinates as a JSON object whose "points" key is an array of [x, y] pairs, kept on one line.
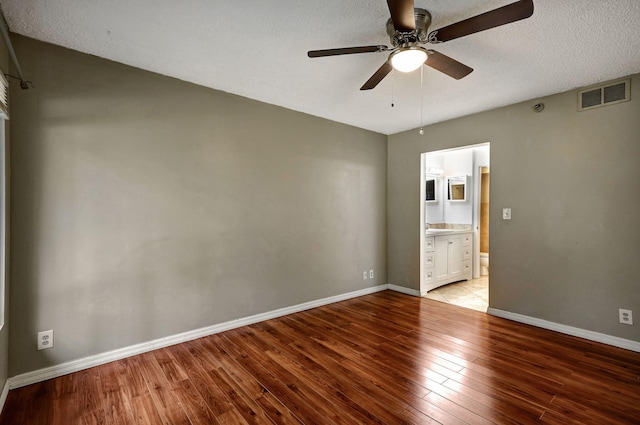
{"points": [[421, 132], [393, 81]]}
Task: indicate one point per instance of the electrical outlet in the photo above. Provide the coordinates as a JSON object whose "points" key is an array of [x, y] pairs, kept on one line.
{"points": [[364, 275], [45, 339], [371, 274], [625, 316], [506, 213]]}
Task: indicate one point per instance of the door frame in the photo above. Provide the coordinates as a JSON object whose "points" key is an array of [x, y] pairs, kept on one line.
{"points": [[475, 210]]}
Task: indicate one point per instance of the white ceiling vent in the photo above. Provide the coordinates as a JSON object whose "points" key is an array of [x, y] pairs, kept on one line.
{"points": [[607, 94]]}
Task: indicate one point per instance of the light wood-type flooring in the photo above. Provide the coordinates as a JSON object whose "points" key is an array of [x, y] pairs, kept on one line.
{"points": [[472, 293], [385, 358]]}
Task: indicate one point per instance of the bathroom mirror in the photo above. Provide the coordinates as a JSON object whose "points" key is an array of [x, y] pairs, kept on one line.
{"points": [[430, 190], [457, 188]]}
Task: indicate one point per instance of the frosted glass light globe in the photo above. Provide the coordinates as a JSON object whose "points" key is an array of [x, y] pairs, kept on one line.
{"points": [[408, 59]]}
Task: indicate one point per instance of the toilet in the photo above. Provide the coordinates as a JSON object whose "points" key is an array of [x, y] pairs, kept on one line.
{"points": [[484, 264]]}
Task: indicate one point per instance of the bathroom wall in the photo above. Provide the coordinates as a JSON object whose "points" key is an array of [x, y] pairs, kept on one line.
{"points": [[434, 211], [457, 162]]}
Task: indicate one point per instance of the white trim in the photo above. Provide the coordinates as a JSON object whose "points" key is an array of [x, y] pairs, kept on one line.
{"points": [[121, 353], [404, 290], [569, 330], [4, 394]]}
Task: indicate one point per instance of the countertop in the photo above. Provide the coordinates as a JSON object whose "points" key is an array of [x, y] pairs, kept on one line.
{"points": [[438, 232]]}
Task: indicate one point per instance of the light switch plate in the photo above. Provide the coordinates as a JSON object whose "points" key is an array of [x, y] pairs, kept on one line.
{"points": [[506, 213]]}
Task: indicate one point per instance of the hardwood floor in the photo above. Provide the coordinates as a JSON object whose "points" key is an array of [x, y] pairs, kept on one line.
{"points": [[384, 358]]}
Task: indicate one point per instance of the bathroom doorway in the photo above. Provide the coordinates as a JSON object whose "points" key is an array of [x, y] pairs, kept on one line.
{"points": [[473, 214]]}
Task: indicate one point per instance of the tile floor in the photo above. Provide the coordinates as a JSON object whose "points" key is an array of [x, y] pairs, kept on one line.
{"points": [[472, 294]]}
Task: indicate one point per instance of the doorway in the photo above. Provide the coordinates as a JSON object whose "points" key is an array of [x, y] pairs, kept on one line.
{"points": [[469, 216]]}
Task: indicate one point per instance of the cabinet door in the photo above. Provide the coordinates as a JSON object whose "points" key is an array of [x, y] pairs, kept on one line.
{"points": [[441, 261], [454, 257]]}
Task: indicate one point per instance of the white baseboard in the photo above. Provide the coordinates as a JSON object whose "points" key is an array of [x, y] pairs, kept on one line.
{"points": [[4, 394], [404, 290], [569, 330], [121, 353]]}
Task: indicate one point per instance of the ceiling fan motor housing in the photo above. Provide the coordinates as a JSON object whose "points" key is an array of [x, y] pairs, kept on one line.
{"points": [[420, 35]]}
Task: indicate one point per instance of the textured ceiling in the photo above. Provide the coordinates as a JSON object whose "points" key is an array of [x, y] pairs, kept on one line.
{"points": [[257, 49]]}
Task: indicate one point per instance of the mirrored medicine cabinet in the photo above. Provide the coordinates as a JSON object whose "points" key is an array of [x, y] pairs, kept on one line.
{"points": [[457, 188], [431, 190]]}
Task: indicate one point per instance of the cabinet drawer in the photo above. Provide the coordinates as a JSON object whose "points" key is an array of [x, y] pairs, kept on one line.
{"points": [[429, 260], [429, 244], [428, 276], [466, 239], [466, 267], [466, 253]]}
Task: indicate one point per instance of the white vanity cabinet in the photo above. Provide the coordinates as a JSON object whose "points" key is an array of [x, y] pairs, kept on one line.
{"points": [[447, 258]]}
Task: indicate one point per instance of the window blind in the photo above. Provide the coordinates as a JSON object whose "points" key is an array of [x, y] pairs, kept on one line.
{"points": [[4, 97]]}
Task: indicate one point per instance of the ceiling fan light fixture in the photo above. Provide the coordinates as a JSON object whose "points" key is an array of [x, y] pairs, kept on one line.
{"points": [[408, 59]]}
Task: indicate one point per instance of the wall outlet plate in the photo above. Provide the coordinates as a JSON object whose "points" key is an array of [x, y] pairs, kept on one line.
{"points": [[506, 213], [371, 274], [45, 339], [625, 316], [364, 275]]}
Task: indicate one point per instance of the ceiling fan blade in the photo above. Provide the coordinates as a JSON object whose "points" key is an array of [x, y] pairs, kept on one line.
{"points": [[378, 76], [503, 15], [402, 15], [447, 65], [345, 51]]}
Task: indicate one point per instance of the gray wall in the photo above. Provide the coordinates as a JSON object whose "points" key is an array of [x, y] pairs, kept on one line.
{"points": [[572, 179], [144, 206]]}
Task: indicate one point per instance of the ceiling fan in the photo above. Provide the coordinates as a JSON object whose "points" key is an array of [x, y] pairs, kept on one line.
{"points": [[408, 30]]}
